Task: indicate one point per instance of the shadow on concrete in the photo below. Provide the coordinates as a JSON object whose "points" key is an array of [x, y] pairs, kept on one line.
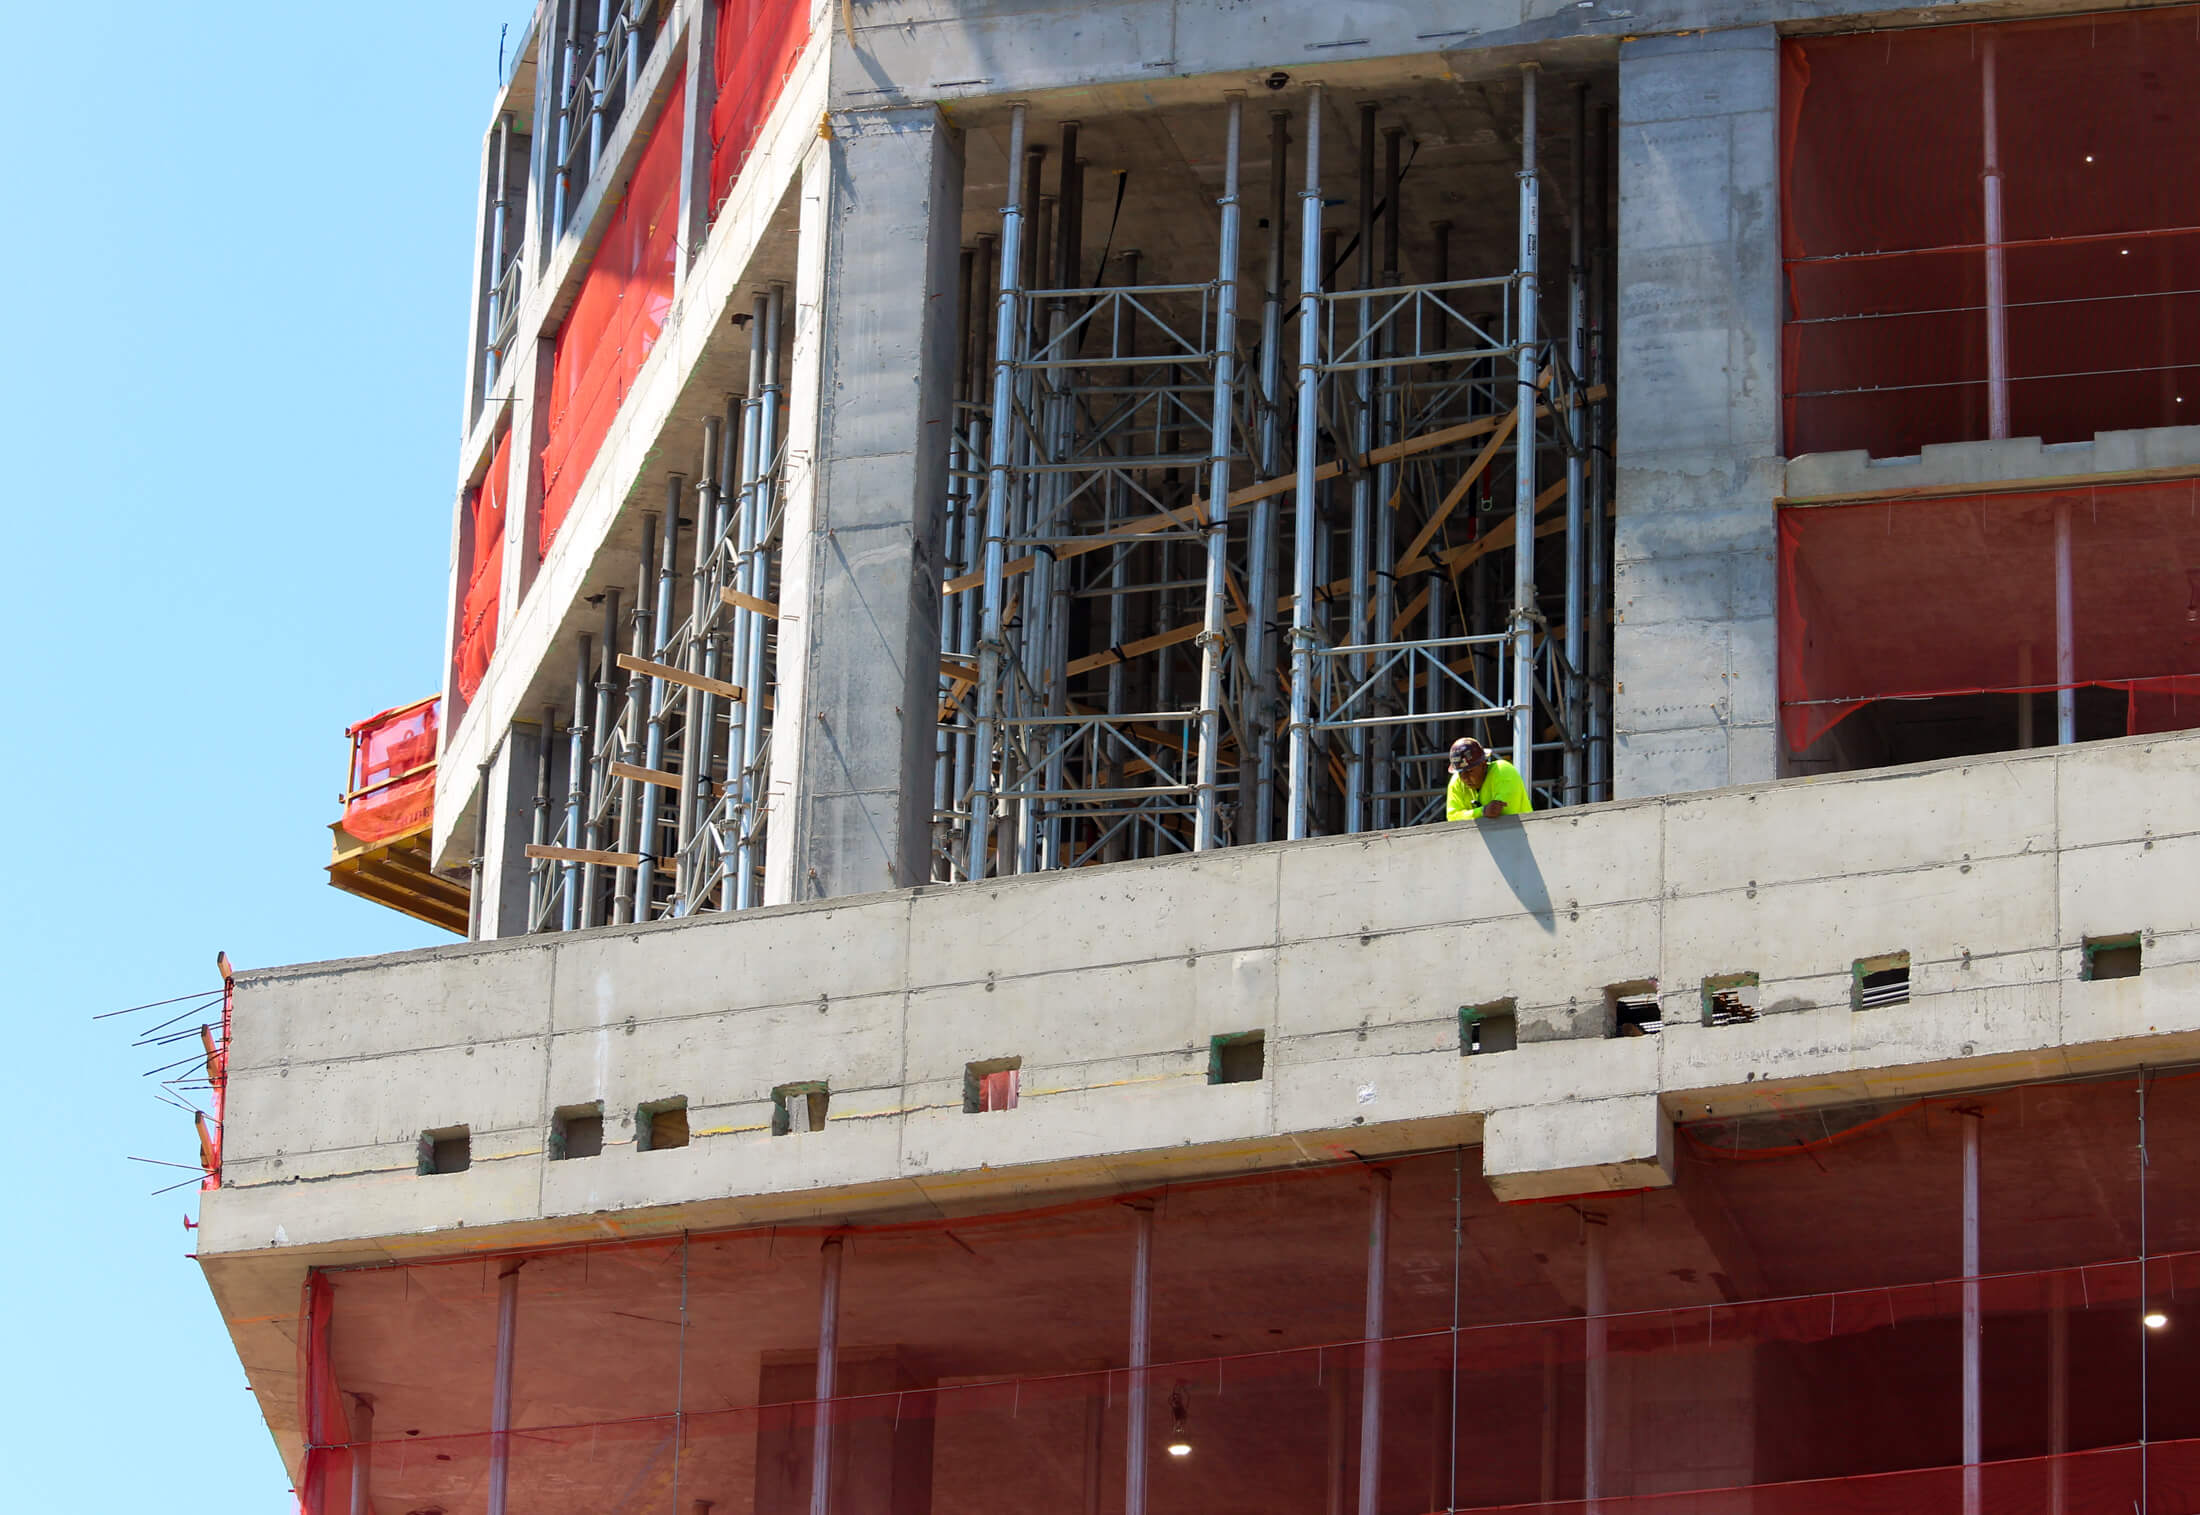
{"points": [[1507, 839]]}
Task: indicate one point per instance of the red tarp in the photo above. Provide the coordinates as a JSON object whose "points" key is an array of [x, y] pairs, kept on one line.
{"points": [[482, 553], [758, 42], [616, 320], [1883, 221], [1940, 597], [392, 772]]}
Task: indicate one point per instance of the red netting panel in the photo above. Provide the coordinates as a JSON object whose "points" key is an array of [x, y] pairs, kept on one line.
{"points": [[1957, 596], [1782, 1334], [615, 320], [1884, 226], [482, 556], [392, 772], [758, 44]]}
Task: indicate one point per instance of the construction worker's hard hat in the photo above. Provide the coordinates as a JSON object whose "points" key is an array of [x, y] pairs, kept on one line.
{"points": [[1465, 753]]}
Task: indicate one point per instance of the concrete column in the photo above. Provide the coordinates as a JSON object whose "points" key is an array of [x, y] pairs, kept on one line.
{"points": [[1698, 448], [509, 792], [872, 381]]}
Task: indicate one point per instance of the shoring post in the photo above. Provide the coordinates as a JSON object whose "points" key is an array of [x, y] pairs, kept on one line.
{"points": [[1598, 676], [1388, 477], [1257, 820], [2058, 1390], [2066, 634], [1135, 1400], [773, 309], [1973, 1385], [499, 215], [1596, 1361], [599, 757], [539, 870], [1303, 501], [828, 1352], [1523, 608], [599, 81], [1997, 288], [653, 751], [500, 1403], [1574, 770], [996, 503], [745, 626], [1214, 634], [1360, 551], [624, 894], [562, 199], [1371, 1345], [477, 865], [362, 1454], [699, 720], [576, 784]]}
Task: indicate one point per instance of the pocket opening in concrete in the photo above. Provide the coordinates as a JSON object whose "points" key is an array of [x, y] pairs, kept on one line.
{"points": [[662, 1125], [2112, 956], [799, 1108], [1730, 999], [1877, 982], [1494, 1027], [1240, 1058], [1631, 1009], [577, 1131], [447, 1150], [992, 1085]]}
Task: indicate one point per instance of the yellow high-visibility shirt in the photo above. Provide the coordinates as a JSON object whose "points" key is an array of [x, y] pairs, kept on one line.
{"points": [[1501, 783]]}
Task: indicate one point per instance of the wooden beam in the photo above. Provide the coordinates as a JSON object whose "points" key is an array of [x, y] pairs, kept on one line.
{"points": [[641, 775], [740, 601], [680, 676], [1459, 490], [585, 855]]}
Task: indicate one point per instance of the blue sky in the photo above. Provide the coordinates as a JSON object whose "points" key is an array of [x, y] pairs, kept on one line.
{"points": [[236, 262]]}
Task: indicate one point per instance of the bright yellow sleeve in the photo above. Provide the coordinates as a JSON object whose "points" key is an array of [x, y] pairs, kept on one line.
{"points": [[1512, 789], [1456, 807]]}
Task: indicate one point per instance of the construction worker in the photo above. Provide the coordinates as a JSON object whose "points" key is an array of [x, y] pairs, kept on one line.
{"points": [[1482, 786]]}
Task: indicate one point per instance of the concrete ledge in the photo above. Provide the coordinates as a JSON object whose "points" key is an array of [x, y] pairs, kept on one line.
{"points": [[1581, 1147], [1826, 476]]}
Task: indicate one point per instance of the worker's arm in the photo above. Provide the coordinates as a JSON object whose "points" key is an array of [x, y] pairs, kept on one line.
{"points": [[1509, 794], [1456, 805]]}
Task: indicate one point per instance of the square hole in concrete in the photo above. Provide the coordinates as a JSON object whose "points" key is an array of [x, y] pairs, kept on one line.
{"points": [[2112, 956], [1877, 982], [1730, 999], [1237, 1059], [662, 1125], [797, 1108], [1632, 1008], [1494, 1027], [992, 1085], [577, 1131], [450, 1150]]}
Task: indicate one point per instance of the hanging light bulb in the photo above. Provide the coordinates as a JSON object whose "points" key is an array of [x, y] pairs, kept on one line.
{"points": [[1180, 1445], [2154, 1320]]}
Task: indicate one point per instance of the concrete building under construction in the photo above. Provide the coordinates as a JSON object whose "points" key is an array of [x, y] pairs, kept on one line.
{"points": [[976, 528]]}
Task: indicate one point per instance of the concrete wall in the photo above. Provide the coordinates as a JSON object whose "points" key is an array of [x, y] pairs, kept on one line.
{"points": [[1695, 697], [1352, 955]]}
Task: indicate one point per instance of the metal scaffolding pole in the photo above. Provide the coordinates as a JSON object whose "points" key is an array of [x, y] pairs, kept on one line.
{"points": [[500, 1401], [629, 904], [828, 1352], [758, 531], [1371, 1349], [1973, 1384], [653, 750], [1135, 1431], [1997, 289], [1523, 608], [1574, 772], [362, 1457], [1597, 677], [1596, 1366], [599, 763], [499, 216], [1358, 631], [1214, 633], [1257, 720], [576, 786], [996, 503], [2066, 633], [1303, 501], [539, 870]]}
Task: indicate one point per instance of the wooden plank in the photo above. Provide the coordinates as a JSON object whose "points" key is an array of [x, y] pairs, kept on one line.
{"points": [[680, 676], [740, 601], [585, 855], [641, 775], [1459, 490]]}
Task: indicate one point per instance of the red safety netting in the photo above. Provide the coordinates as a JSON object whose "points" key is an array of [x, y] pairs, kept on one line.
{"points": [[616, 319], [481, 556], [758, 43], [1884, 227], [392, 787], [1951, 596], [1783, 1336]]}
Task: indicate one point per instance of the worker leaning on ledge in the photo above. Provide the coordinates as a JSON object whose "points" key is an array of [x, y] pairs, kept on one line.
{"points": [[1482, 786]]}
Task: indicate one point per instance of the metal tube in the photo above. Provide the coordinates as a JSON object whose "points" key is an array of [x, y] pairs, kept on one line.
{"points": [[699, 721], [538, 870], [1598, 724], [576, 787], [1257, 719], [1389, 477], [500, 1403], [1371, 1350], [1997, 292], [763, 505], [626, 900], [1596, 1364], [561, 201], [477, 864], [599, 759], [1972, 1384], [1214, 633], [996, 504], [828, 1351], [1574, 773], [1303, 500], [498, 213], [1135, 1430], [2058, 1392], [362, 1455], [598, 81], [1360, 545], [653, 751], [1523, 609], [2066, 643]]}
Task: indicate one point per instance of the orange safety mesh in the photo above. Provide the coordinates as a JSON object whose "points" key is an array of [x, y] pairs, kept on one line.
{"points": [[481, 554], [1784, 1334], [392, 772], [1911, 598], [1885, 239], [758, 43], [615, 320]]}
